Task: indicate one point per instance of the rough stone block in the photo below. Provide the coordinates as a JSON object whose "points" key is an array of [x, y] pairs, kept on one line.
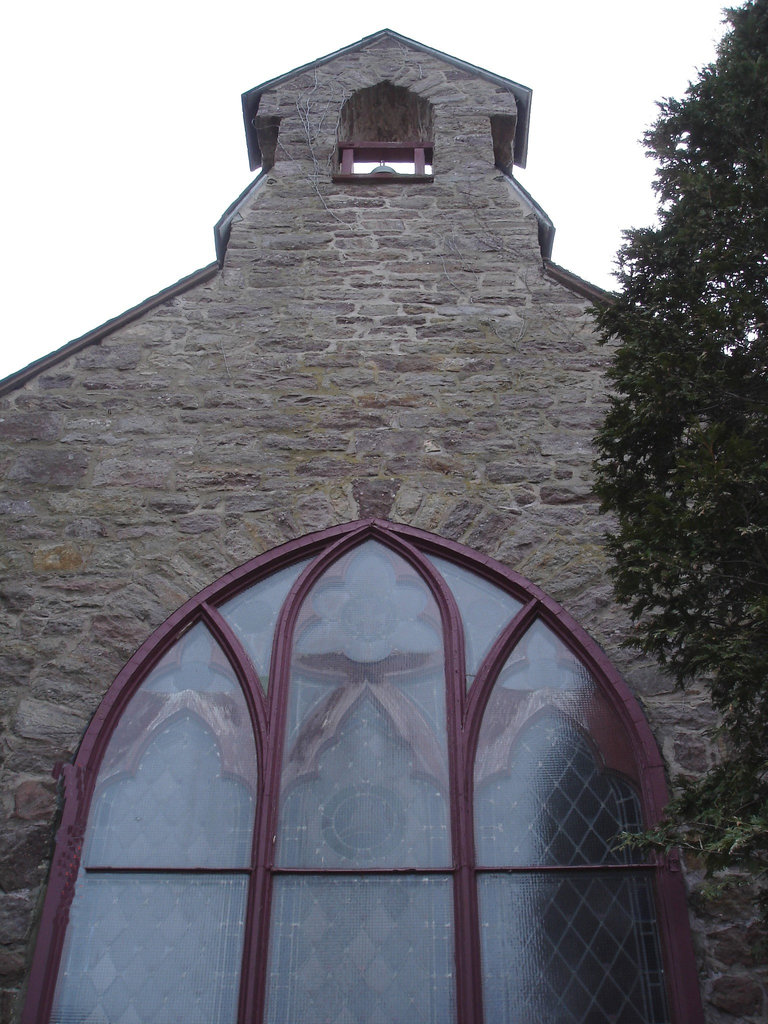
{"points": [[738, 995], [14, 915], [134, 472], [55, 467], [34, 801], [24, 854], [50, 724], [59, 558], [30, 426], [566, 494]]}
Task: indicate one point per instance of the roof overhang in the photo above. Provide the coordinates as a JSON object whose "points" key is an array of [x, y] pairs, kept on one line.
{"points": [[522, 93]]}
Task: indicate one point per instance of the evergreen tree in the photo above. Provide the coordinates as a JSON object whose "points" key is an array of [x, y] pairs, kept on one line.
{"points": [[683, 451]]}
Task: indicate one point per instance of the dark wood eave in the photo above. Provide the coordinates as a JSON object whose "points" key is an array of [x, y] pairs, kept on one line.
{"points": [[522, 93], [577, 284], [15, 380]]}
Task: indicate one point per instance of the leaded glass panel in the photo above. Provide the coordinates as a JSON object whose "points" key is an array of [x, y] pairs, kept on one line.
{"points": [[365, 950], [553, 804], [367, 802], [485, 610], [571, 948], [549, 781], [541, 663], [146, 949], [365, 765], [177, 784], [370, 605], [253, 615]]}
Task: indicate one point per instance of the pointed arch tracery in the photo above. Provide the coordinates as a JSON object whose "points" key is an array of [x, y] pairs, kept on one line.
{"points": [[427, 674]]}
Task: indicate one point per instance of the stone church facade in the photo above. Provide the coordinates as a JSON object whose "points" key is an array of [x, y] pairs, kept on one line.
{"points": [[392, 350]]}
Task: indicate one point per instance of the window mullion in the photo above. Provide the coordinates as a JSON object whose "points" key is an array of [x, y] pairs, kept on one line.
{"points": [[255, 956], [468, 977]]}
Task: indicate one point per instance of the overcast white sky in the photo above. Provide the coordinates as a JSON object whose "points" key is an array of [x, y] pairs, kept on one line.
{"points": [[124, 138]]}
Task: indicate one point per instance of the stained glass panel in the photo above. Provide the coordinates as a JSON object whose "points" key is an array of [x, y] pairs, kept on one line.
{"points": [[542, 663], [553, 804], [370, 798], [177, 785], [370, 605], [363, 933], [367, 950], [365, 766], [550, 781]]}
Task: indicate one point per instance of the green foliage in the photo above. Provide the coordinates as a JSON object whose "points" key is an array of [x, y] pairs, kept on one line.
{"points": [[683, 451]]}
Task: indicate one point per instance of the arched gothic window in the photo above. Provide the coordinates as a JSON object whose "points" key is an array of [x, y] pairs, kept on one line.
{"points": [[368, 777]]}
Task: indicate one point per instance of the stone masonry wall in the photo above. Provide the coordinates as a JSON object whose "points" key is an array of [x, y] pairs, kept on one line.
{"points": [[384, 349]]}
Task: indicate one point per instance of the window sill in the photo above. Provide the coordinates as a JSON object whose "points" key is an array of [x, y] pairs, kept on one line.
{"points": [[372, 179]]}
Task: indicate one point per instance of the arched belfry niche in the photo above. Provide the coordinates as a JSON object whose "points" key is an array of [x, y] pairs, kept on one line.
{"points": [[388, 124], [369, 776], [388, 113]]}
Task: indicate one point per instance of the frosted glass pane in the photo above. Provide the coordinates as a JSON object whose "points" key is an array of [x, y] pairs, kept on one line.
{"points": [[177, 785], [553, 804], [541, 661], [194, 663], [144, 949], [177, 810], [570, 949], [485, 610], [365, 765], [544, 793], [369, 950], [363, 800], [253, 615], [369, 606]]}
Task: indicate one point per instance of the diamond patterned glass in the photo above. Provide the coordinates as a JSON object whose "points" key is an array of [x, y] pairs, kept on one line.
{"points": [[365, 766], [553, 805], [366, 950], [570, 948], [543, 793], [177, 784], [485, 610], [253, 614], [144, 949]]}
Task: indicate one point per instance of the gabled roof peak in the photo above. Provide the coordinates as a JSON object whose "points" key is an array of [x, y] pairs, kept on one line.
{"points": [[522, 93]]}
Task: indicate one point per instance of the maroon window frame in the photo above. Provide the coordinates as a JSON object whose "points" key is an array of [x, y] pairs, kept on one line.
{"points": [[267, 710], [418, 153]]}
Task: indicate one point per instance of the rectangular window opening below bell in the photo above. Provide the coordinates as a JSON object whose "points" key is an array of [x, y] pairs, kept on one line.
{"points": [[384, 161]]}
